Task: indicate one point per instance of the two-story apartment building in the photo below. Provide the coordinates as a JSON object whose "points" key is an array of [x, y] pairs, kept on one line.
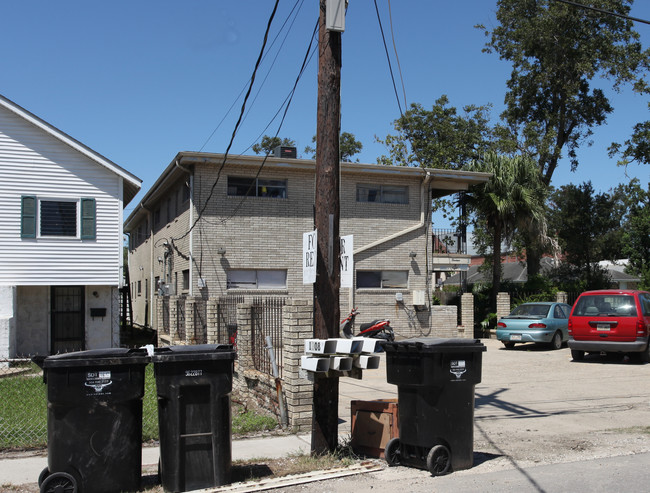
{"points": [[61, 244], [212, 226]]}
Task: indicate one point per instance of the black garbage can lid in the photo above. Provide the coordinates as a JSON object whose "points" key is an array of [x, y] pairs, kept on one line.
{"points": [[435, 345], [193, 353], [98, 357]]}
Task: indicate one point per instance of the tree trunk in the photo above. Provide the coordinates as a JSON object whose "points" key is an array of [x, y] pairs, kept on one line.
{"points": [[534, 253]]}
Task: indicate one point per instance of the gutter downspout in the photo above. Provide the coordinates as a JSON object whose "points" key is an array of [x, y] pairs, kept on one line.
{"points": [[150, 299], [191, 221], [423, 211]]}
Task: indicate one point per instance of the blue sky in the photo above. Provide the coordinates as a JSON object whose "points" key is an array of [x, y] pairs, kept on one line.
{"points": [[139, 81]]}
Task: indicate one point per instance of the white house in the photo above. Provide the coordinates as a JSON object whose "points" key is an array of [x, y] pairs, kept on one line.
{"points": [[61, 242]]}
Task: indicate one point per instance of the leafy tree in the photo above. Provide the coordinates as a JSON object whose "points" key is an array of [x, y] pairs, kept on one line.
{"points": [[588, 227], [440, 137], [509, 200], [557, 52], [636, 148], [269, 143], [636, 232], [348, 147]]}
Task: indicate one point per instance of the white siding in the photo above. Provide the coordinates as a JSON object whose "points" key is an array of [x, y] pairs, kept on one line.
{"points": [[33, 162]]}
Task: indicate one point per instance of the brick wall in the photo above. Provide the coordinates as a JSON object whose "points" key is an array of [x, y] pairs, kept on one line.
{"points": [[266, 233]]}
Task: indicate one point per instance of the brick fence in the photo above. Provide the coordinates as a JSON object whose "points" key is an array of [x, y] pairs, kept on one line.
{"points": [[291, 393]]}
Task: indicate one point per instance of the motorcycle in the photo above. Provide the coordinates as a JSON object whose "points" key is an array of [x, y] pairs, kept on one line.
{"points": [[377, 329]]}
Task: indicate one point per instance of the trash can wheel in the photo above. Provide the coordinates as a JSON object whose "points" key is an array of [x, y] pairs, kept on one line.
{"points": [[41, 477], [439, 460], [59, 482], [392, 452]]}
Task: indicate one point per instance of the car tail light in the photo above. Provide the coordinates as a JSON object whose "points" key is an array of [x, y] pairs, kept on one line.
{"points": [[641, 328], [502, 325], [570, 326], [537, 325]]}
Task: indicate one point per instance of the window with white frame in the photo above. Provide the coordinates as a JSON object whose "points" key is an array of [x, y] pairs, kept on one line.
{"points": [[385, 194], [52, 217], [382, 279], [257, 279]]}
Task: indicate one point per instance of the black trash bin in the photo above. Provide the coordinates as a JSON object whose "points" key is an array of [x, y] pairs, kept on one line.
{"points": [[193, 385], [436, 380], [94, 421]]}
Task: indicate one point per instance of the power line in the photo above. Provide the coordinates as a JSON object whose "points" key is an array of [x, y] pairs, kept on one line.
{"points": [[301, 2], [603, 11], [286, 104], [241, 114], [399, 67], [308, 56], [390, 67]]}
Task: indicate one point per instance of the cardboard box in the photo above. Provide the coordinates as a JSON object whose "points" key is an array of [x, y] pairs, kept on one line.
{"points": [[374, 423]]}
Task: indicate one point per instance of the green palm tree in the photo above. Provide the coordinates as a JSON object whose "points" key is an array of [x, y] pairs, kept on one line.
{"points": [[513, 199]]}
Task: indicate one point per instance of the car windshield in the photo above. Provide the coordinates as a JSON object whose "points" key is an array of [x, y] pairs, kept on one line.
{"points": [[612, 305], [530, 311]]}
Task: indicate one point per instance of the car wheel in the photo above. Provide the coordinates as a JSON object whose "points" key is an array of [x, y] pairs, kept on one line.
{"points": [[577, 355], [439, 460], [392, 452], [509, 345], [556, 342]]}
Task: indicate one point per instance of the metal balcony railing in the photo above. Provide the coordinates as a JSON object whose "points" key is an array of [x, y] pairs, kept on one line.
{"points": [[448, 241]]}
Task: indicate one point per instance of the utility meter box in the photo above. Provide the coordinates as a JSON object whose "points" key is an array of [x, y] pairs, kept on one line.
{"points": [[419, 298]]}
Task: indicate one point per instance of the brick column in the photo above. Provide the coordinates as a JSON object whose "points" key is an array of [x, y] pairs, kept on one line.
{"points": [[173, 320], [190, 329], [562, 297], [212, 322], [503, 304], [298, 326], [159, 319], [467, 314]]}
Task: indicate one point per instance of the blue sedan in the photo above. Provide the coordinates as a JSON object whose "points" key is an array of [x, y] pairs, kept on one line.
{"points": [[542, 322]]}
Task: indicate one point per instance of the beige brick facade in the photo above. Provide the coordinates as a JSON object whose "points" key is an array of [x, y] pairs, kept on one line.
{"points": [[264, 233]]}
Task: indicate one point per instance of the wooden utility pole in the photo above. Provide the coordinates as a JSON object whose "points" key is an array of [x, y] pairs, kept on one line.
{"points": [[327, 210]]}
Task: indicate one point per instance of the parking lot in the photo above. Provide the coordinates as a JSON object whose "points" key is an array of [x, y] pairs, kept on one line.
{"points": [[537, 406]]}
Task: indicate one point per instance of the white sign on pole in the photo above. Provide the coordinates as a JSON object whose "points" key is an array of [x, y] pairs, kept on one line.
{"points": [[309, 257], [347, 261]]}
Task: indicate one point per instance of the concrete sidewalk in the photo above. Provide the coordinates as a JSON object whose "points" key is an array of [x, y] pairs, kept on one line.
{"points": [[25, 468]]}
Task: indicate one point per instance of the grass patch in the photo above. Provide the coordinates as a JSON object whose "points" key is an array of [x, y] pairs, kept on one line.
{"points": [[245, 422], [23, 409]]}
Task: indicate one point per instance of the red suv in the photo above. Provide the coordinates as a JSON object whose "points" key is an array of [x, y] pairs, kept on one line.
{"points": [[613, 320]]}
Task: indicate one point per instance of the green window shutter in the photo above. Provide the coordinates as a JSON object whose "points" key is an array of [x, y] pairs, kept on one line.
{"points": [[28, 216], [88, 219]]}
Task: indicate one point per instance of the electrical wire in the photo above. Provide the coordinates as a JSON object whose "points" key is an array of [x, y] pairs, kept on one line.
{"points": [[241, 114], [390, 67], [291, 13], [308, 56], [603, 11], [399, 67]]}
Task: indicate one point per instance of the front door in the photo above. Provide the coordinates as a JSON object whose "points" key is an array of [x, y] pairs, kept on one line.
{"points": [[68, 328]]}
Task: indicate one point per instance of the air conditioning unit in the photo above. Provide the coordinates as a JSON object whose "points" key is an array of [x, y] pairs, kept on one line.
{"points": [[285, 152]]}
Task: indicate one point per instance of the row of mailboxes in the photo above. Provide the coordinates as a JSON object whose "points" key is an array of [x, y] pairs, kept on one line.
{"points": [[323, 355]]}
